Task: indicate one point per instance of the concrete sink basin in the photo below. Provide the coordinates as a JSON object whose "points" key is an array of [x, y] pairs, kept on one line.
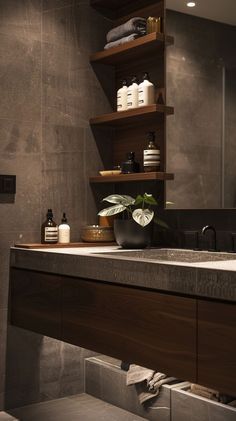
{"points": [[173, 255]]}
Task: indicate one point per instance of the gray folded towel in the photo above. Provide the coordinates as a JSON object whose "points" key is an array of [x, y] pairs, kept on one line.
{"points": [[148, 382], [121, 41], [135, 25]]}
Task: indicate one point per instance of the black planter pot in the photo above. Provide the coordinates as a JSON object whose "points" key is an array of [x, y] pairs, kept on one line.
{"points": [[130, 235]]}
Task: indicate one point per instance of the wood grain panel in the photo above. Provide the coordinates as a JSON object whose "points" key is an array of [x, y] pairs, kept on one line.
{"points": [[115, 9], [35, 301], [143, 327], [217, 346]]}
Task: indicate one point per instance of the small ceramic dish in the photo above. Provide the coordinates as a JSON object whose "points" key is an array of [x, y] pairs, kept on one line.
{"points": [[110, 172]]}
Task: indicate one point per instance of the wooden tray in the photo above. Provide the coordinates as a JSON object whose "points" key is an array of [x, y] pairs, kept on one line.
{"points": [[57, 245]]}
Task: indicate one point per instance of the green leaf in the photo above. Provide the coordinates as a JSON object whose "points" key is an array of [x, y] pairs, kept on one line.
{"points": [[138, 200], [149, 199], [159, 221], [120, 199], [143, 217], [112, 210]]}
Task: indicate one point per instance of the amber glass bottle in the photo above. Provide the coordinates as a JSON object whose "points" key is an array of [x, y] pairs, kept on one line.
{"points": [[49, 230]]}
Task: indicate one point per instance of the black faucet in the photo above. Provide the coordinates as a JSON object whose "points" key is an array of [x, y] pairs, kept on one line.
{"points": [[207, 228]]}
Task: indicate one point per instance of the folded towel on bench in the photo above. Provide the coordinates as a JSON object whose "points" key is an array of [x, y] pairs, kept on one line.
{"points": [[147, 382]]}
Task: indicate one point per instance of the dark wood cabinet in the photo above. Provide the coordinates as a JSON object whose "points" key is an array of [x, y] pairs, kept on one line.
{"points": [[35, 301], [185, 337], [217, 346], [143, 327]]}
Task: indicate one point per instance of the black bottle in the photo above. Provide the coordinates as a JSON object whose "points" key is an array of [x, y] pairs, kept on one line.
{"points": [[129, 166], [49, 230]]}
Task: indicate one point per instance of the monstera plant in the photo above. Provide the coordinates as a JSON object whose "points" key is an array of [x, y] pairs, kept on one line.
{"points": [[134, 231], [140, 209]]}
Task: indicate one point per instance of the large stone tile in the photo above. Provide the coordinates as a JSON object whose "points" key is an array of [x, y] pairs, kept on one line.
{"points": [[61, 369], [19, 138], [82, 407], [71, 90], [55, 4], [187, 407], [60, 138], [20, 64], [108, 382], [63, 178]]}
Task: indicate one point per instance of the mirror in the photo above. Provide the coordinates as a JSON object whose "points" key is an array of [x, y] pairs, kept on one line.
{"points": [[201, 85]]}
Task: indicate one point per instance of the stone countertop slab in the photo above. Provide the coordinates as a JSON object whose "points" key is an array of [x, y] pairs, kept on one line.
{"points": [[209, 279]]}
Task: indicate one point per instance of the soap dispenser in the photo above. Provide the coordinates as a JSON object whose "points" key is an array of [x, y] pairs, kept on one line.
{"points": [[49, 230], [151, 155], [122, 97], [64, 230], [132, 94], [146, 92]]}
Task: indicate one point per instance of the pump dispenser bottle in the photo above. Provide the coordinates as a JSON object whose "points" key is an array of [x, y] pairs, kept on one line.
{"points": [[132, 94], [64, 230], [122, 97], [151, 155], [146, 92], [49, 230]]}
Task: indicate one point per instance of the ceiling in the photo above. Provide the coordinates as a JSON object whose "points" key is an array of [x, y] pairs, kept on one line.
{"points": [[218, 10]]}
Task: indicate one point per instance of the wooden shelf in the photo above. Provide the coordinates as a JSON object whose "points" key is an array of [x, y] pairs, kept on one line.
{"points": [[143, 46], [122, 178], [69, 245], [115, 9], [135, 115]]}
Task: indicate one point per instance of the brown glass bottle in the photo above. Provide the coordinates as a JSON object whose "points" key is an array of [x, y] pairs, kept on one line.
{"points": [[49, 230]]}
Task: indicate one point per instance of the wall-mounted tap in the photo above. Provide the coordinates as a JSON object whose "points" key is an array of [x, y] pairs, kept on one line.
{"points": [[210, 228]]}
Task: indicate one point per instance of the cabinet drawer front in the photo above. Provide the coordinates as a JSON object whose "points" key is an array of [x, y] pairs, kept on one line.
{"points": [[217, 346], [135, 325], [36, 302]]}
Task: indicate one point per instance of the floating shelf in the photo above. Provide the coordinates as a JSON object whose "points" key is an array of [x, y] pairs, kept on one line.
{"points": [[115, 9], [135, 115], [143, 46], [122, 178]]}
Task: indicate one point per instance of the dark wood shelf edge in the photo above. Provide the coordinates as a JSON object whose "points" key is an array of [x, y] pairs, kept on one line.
{"points": [[122, 116], [121, 178], [107, 56]]}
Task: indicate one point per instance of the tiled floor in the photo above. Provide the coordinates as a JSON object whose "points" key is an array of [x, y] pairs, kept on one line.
{"points": [[75, 408]]}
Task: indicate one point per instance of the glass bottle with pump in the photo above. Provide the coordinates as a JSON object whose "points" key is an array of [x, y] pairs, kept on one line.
{"points": [[122, 97], [151, 155], [64, 230], [146, 92], [49, 230]]}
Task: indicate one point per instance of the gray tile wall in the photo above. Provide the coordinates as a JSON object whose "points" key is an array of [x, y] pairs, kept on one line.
{"points": [[48, 93]]}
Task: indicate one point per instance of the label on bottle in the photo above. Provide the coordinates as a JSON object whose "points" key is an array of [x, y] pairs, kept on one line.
{"points": [[50, 234], [140, 97], [151, 158]]}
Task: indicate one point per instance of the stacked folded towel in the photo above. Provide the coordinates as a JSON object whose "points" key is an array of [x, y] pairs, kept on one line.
{"points": [[205, 392], [148, 382], [126, 32]]}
